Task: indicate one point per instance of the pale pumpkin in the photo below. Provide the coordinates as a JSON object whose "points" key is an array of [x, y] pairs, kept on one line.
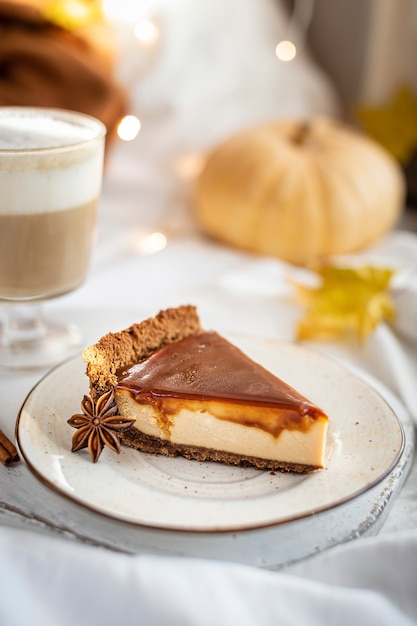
{"points": [[299, 191]]}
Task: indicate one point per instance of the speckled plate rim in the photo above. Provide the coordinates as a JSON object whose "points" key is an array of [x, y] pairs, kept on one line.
{"points": [[40, 436]]}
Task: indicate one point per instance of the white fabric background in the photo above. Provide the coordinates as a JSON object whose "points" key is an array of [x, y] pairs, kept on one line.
{"points": [[49, 582]]}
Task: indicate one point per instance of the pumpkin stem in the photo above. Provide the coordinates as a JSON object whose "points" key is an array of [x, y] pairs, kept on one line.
{"points": [[302, 132]]}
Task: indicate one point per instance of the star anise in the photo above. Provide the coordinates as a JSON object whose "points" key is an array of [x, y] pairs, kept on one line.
{"points": [[98, 424]]}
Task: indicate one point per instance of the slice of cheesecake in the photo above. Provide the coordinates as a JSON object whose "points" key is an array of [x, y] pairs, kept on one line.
{"points": [[193, 393]]}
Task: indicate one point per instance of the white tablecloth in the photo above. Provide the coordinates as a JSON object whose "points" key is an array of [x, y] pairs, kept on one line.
{"points": [[49, 582]]}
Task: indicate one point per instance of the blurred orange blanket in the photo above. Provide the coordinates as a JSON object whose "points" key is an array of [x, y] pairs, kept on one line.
{"points": [[45, 64]]}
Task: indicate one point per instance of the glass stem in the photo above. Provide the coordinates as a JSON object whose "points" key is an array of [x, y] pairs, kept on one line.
{"points": [[23, 324]]}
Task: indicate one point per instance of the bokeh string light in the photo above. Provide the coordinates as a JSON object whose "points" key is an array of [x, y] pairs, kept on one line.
{"points": [[146, 31], [302, 14], [286, 50], [137, 35], [128, 128]]}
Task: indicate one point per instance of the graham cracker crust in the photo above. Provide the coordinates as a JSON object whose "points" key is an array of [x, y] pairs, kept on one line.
{"points": [[118, 351], [138, 440]]}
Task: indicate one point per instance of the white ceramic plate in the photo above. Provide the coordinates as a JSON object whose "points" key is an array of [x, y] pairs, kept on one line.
{"points": [[364, 445]]}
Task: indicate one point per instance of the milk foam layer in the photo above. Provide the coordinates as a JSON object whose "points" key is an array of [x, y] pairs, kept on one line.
{"points": [[29, 132], [28, 190], [56, 176]]}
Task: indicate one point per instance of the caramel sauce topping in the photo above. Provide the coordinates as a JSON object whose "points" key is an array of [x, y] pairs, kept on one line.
{"points": [[206, 372]]}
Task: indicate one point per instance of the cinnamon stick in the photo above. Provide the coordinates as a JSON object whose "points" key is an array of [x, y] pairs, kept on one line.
{"points": [[8, 452]]}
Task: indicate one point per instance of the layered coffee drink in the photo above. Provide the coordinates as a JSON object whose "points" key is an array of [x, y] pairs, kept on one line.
{"points": [[50, 181]]}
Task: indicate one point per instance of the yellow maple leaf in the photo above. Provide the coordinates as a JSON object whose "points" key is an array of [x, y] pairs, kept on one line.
{"points": [[393, 125], [347, 300]]}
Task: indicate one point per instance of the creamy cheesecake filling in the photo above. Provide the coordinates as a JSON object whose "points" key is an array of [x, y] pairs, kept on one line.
{"points": [[197, 427], [204, 391]]}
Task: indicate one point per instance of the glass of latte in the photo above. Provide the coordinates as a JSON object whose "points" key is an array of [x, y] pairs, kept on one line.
{"points": [[51, 165]]}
